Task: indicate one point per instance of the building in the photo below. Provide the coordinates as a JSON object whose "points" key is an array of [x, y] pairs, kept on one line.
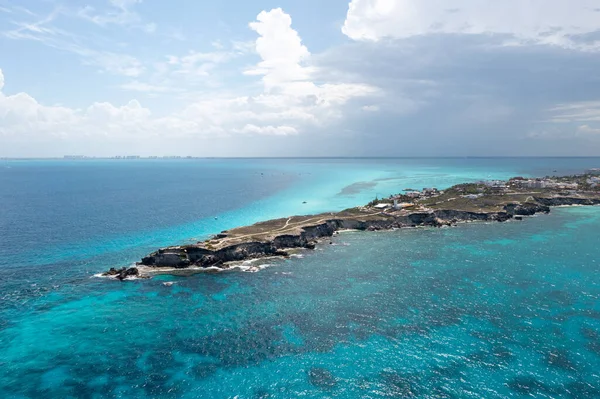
{"points": [[568, 186], [400, 205], [533, 183], [494, 183], [413, 194]]}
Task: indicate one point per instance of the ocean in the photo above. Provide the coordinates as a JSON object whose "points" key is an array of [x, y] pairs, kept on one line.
{"points": [[479, 311]]}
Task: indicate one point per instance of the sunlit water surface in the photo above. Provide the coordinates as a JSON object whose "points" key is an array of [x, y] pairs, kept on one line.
{"points": [[481, 310]]}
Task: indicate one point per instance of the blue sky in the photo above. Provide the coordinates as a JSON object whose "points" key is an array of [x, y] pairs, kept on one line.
{"points": [[291, 78]]}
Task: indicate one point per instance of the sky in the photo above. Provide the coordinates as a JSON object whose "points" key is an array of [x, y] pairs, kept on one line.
{"points": [[299, 78]]}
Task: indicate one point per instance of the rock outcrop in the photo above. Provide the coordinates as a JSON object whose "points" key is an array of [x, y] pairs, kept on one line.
{"points": [[563, 201], [123, 273], [234, 246], [186, 256]]}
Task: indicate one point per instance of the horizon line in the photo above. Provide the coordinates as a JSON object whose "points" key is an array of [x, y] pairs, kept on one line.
{"points": [[189, 157]]}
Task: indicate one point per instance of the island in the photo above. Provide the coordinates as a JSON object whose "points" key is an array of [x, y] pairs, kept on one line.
{"points": [[483, 201]]}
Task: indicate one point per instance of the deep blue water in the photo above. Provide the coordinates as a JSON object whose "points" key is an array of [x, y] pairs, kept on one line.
{"points": [[482, 310]]}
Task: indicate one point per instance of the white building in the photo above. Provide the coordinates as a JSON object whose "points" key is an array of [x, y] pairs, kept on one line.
{"points": [[382, 206], [594, 180], [401, 205]]}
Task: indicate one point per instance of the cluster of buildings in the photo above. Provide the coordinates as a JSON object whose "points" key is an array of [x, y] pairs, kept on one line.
{"points": [[495, 185], [400, 201], [425, 193], [544, 183], [594, 181]]}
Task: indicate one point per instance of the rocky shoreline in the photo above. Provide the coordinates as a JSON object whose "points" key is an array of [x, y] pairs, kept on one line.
{"points": [[276, 238]]}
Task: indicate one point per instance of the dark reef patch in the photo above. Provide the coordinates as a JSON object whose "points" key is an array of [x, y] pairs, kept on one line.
{"points": [[560, 358], [527, 385], [321, 378], [204, 370], [399, 385], [590, 333], [262, 393], [357, 188], [581, 389]]}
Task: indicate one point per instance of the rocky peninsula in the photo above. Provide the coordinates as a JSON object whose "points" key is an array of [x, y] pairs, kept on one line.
{"points": [[484, 201]]}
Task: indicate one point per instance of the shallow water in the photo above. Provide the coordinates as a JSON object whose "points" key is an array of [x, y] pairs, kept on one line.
{"points": [[481, 310]]}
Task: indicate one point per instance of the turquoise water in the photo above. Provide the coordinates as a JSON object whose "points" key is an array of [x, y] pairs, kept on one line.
{"points": [[482, 310]]}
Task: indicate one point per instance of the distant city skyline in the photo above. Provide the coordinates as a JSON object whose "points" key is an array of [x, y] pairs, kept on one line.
{"points": [[262, 78]]}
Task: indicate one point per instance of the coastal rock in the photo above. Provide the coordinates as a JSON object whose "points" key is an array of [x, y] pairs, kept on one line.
{"points": [[526, 209], [562, 201], [167, 258], [453, 215], [275, 237], [208, 260], [123, 273]]}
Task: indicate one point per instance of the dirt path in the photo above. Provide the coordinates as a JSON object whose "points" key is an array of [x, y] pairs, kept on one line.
{"points": [[287, 226]]}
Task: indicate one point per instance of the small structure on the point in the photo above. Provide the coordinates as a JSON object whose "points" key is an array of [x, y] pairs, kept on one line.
{"points": [[593, 171], [382, 206], [400, 205]]}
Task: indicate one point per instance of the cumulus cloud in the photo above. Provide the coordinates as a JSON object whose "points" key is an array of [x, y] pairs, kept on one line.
{"points": [[290, 102], [280, 49], [286, 71], [527, 21]]}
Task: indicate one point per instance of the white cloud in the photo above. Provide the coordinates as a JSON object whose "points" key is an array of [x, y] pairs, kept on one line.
{"points": [[586, 129], [280, 48], [146, 87], [120, 12], [118, 64], [370, 108], [269, 130], [585, 111], [289, 102], [197, 63], [537, 21], [1, 80], [287, 74], [43, 32]]}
